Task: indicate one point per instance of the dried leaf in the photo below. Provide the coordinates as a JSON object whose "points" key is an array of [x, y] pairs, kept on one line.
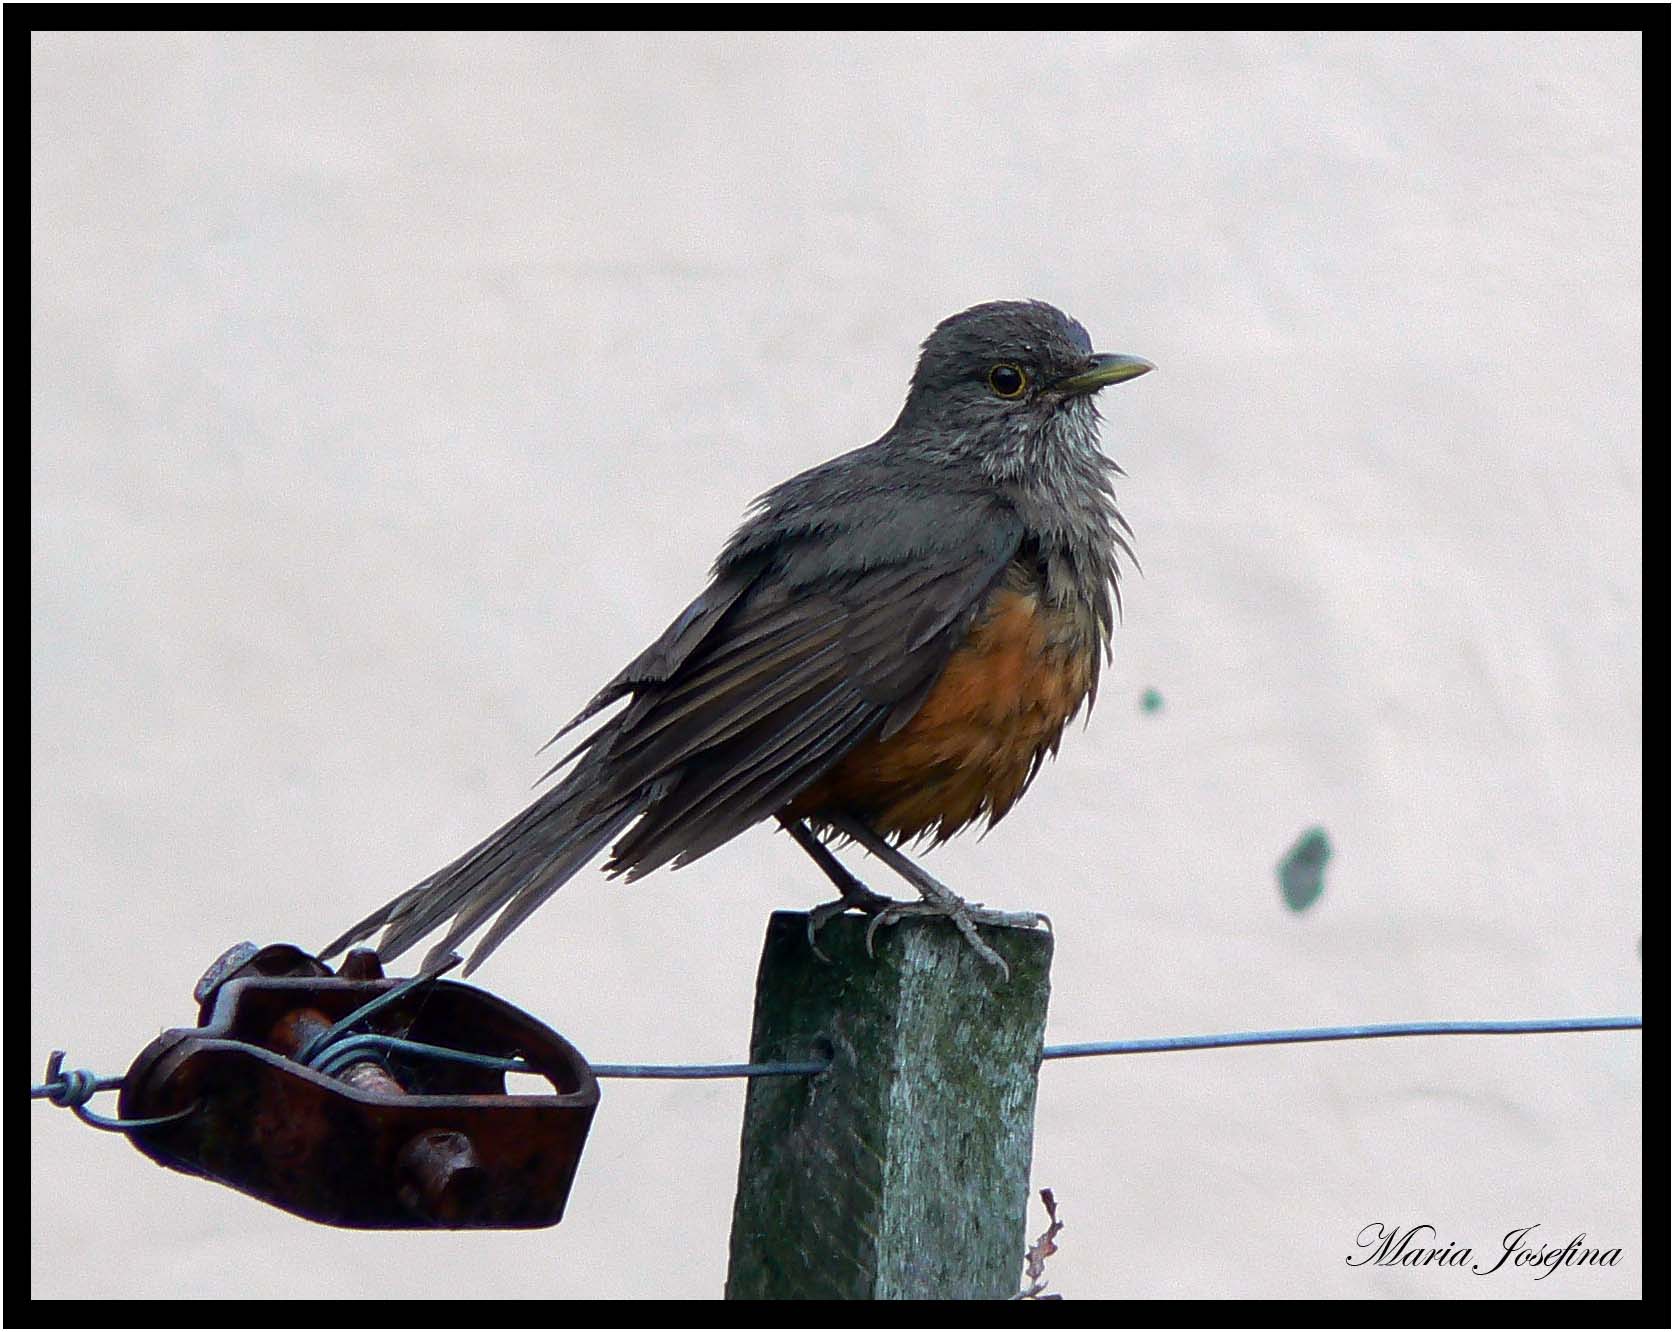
{"points": [[1034, 1262]]}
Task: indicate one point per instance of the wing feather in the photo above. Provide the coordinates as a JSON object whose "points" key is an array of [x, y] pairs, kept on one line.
{"points": [[816, 633]]}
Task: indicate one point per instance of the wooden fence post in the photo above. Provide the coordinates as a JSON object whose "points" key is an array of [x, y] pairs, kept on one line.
{"points": [[903, 1171]]}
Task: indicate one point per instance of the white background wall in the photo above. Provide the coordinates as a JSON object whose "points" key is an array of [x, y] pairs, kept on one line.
{"points": [[390, 392]]}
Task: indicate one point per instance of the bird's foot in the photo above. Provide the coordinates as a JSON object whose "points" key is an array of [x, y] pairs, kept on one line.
{"points": [[966, 916], [856, 896], [939, 899]]}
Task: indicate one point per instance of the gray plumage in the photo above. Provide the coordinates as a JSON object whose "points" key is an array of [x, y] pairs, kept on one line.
{"points": [[828, 619]]}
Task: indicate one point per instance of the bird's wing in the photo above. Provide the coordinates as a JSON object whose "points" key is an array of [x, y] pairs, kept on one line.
{"points": [[823, 651], [659, 661], [804, 645]]}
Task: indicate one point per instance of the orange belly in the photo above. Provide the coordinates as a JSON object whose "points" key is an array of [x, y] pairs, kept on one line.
{"points": [[971, 749]]}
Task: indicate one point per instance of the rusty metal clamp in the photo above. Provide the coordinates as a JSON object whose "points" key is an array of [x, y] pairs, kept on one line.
{"points": [[400, 1119]]}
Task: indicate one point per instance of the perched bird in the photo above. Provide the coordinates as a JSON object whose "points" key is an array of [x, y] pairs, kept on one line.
{"points": [[888, 648]]}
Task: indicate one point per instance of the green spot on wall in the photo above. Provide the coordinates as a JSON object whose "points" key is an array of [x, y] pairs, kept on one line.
{"points": [[1302, 871], [1151, 701]]}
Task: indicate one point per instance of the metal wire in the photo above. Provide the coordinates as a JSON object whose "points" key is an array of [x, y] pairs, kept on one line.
{"points": [[333, 1035], [806, 1068], [1160, 1044], [76, 1086], [1299, 1035]]}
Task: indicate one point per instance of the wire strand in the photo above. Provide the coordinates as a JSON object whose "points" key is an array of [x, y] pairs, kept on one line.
{"points": [[74, 1087], [1375, 1031]]}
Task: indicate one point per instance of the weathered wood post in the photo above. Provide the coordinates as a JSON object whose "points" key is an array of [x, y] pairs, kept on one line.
{"points": [[903, 1171]]}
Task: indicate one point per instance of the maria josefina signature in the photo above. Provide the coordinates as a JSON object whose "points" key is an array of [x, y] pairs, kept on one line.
{"points": [[1390, 1246]]}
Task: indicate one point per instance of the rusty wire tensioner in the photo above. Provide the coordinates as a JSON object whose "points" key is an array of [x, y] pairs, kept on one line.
{"points": [[356, 1100]]}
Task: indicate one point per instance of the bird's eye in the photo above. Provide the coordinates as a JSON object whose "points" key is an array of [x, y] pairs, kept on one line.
{"points": [[1008, 381]]}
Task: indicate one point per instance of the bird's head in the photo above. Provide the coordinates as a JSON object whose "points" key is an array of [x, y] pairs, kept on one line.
{"points": [[1009, 377]]}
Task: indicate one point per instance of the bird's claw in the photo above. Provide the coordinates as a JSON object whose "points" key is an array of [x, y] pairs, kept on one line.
{"points": [[860, 899], [816, 922], [966, 916]]}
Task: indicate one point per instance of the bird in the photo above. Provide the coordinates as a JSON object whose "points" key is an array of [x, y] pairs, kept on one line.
{"points": [[887, 650]]}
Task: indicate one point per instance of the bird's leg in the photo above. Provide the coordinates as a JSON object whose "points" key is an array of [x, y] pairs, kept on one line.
{"points": [[854, 893], [939, 899]]}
